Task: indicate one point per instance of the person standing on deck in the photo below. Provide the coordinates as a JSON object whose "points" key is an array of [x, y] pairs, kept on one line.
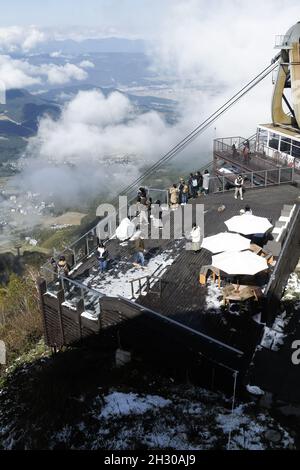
{"points": [[174, 197], [142, 207], [63, 268], [239, 183], [185, 194], [102, 255], [246, 154], [156, 214], [200, 182], [194, 186], [205, 183], [180, 189], [196, 238], [139, 251], [190, 183], [234, 150]]}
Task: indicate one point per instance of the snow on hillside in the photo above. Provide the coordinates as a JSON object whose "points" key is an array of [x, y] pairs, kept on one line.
{"points": [[178, 417]]}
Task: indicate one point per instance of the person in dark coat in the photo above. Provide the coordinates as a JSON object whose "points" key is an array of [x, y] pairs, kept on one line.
{"points": [[180, 189], [200, 181], [63, 268]]}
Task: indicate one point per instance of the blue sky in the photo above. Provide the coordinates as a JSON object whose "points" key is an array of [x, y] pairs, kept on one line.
{"points": [[142, 18], [135, 16]]}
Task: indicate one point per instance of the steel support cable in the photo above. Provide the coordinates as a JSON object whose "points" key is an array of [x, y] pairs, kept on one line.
{"points": [[198, 130], [206, 123]]}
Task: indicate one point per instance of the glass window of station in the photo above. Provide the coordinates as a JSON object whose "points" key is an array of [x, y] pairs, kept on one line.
{"points": [[271, 143]]}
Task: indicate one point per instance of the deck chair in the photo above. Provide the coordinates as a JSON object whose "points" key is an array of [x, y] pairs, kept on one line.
{"points": [[204, 272]]}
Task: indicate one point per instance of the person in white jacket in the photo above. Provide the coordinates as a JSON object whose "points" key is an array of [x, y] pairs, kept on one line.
{"points": [[196, 238]]}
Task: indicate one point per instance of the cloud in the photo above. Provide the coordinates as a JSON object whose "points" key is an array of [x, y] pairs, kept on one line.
{"points": [[85, 64], [80, 155], [219, 47], [93, 126], [15, 38], [61, 74], [17, 73], [223, 41], [56, 54], [25, 39]]}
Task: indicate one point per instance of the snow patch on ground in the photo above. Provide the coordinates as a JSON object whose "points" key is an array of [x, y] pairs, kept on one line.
{"points": [[214, 296], [292, 290], [179, 418], [115, 283], [255, 390], [273, 338], [130, 403]]}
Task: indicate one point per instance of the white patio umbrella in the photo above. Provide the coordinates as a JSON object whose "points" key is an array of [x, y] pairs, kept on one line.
{"points": [[239, 263], [225, 241], [248, 224]]}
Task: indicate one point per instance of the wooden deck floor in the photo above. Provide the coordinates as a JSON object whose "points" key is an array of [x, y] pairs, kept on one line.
{"points": [[182, 297]]}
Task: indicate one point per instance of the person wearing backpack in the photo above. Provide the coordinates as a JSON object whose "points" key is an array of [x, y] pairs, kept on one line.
{"points": [[63, 268]]}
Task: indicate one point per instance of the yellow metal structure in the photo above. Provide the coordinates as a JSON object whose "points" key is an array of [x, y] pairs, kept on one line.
{"points": [[288, 77]]}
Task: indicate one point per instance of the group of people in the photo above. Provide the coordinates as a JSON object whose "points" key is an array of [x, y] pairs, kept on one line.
{"points": [[196, 184], [102, 254], [145, 209], [245, 151]]}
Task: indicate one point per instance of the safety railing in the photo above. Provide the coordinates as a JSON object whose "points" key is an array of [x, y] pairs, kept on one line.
{"points": [[225, 144], [83, 248], [252, 179], [146, 283], [257, 159], [74, 291]]}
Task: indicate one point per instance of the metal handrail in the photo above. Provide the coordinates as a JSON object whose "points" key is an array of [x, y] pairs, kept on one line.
{"points": [[290, 230], [252, 176], [106, 220]]}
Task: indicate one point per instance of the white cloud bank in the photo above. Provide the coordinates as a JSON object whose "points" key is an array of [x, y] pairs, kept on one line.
{"points": [[222, 45], [19, 73], [79, 155], [92, 126], [16, 38]]}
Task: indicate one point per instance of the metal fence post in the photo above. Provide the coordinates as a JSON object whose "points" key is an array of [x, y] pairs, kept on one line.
{"points": [[223, 182], [87, 245], [74, 256], [279, 175], [252, 179], [266, 177]]}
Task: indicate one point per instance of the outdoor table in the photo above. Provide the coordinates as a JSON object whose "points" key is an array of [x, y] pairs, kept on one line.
{"points": [[239, 293], [256, 249]]}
